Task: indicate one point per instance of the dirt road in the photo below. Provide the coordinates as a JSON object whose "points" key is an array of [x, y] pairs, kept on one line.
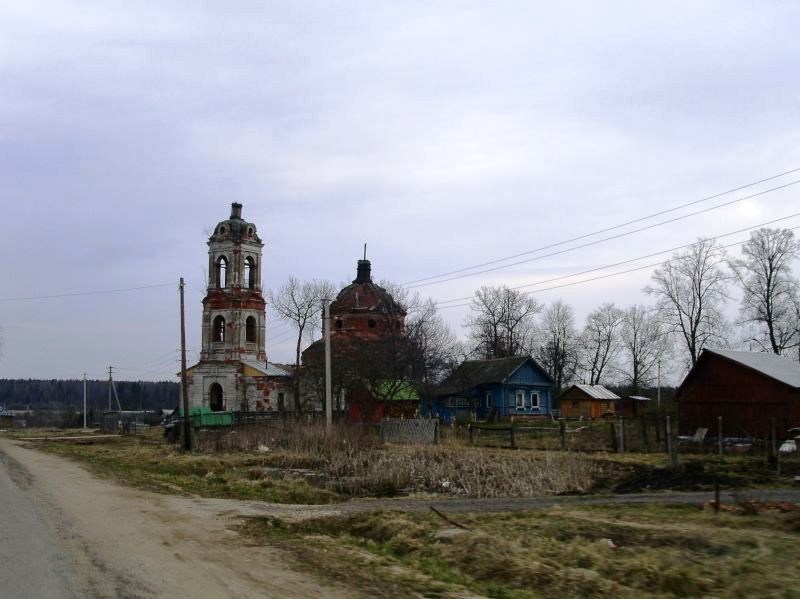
{"points": [[123, 542]]}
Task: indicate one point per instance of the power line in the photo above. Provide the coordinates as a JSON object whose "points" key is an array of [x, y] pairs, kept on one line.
{"points": [[653, 265], [81, 293], [422, 281]]}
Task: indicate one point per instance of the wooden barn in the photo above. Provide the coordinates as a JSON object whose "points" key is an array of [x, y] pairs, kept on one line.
{"points": [[587, 401], [747, 389]]}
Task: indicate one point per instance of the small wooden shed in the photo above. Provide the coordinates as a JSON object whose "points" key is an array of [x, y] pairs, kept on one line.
{"points": [[749, 390], [587, 401]]}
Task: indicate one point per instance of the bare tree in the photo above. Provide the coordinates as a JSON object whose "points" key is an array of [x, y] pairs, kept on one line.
{"points": [[502, 322], [690, 289], [770, 290], [435, 347], [558, 353], [600, 342], [300, 304], [644, 342]]}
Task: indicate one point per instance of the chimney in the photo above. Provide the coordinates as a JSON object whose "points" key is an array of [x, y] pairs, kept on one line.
{"points": [[364, 274], [236, 211]]}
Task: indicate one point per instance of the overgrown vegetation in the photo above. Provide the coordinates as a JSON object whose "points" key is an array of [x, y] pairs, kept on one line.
{"points": [[352, 462], [625, 551]]}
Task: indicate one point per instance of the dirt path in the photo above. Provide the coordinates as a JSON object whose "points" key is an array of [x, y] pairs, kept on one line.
{"points": [[125, 542]]}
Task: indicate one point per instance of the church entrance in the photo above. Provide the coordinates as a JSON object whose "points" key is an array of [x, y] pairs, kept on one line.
{"points": [[216, 402]]}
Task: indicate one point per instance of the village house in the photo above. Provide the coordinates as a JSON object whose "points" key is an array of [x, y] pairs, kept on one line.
{"points": [[750, 391], [498, 387], [233, 372], [587, 401]]}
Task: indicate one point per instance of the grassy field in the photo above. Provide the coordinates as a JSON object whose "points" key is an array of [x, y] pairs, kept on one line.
{"points": [[625, 551], [307, 466]]}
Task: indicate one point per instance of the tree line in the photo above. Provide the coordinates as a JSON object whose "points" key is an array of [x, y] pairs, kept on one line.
{"points": [[623, 346], [54, 394]]}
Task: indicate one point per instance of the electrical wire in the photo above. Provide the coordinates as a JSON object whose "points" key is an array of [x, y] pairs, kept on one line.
{"points": [[606, 276], [422, 282]]}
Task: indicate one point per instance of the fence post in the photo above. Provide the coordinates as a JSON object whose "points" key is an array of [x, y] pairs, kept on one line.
{"points": [[719, 434], [562, 429], [621, 435], [672, 450], [658, 429], [471, 434], [613, 432], [436, 432], [774, 437], [513, 440], [645, 440]]}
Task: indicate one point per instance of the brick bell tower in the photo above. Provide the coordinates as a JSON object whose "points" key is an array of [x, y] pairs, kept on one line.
{"points": [[234, 315]]}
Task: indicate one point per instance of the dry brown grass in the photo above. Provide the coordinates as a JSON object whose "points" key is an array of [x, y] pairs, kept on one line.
{"points": [[352, 462], [601, 551]]}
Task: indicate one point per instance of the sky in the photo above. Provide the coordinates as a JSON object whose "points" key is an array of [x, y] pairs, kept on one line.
{"points": [[442, 134]]}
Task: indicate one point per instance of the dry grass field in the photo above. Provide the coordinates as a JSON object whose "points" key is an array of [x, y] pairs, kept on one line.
{"points": [[601, 551]]}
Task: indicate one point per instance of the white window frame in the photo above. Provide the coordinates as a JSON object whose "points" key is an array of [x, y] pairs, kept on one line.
{"points": [[535, 405], [489, 399], [520, 400]]}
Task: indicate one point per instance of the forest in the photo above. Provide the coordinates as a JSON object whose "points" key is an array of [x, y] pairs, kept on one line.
{"points": [[33, 394]]}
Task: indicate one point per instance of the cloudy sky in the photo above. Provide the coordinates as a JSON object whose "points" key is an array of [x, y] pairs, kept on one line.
{"points": [[443, 134]]}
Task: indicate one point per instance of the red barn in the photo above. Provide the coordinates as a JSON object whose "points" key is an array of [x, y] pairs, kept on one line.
{"points": [[747, 389]]}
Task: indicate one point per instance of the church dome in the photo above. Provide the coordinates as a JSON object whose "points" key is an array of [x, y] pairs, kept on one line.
{"points": [[235, 229], [362, 295]]}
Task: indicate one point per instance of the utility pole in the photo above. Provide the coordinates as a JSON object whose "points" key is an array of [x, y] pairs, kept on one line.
{"points": [[187, 427], [84, 401], [110, 383], [326, 303], [658, 390]]}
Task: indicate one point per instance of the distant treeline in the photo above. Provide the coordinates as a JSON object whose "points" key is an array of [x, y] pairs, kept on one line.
{"points": [[32, 394]]}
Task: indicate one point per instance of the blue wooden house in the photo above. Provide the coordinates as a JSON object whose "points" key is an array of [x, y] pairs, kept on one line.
{"points": [[500, 387]]}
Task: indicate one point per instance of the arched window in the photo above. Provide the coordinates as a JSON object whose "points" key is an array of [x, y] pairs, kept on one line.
{"points": [[219, 330], [250, 330], [250, 272], [339, 323], [222, 272], [371, 323], [215, 400]]}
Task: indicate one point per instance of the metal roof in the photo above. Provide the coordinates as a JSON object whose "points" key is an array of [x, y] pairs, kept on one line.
{"points": [[776, 367], [597, 391], [269, 369], [640, 398]]}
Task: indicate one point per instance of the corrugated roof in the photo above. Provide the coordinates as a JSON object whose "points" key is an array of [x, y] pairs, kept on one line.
{"points": [[597, 391], [776, 367]]}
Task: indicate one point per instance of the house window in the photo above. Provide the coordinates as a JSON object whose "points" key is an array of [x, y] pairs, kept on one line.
{"points": [[371, 323], [489, 400], [338, 324], [534, 400], [520, 399]]}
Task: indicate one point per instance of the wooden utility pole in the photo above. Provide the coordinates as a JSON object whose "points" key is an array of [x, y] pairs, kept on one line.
{"points": [[84, 401], [110, 382], [326, 303], [187, 425]]}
